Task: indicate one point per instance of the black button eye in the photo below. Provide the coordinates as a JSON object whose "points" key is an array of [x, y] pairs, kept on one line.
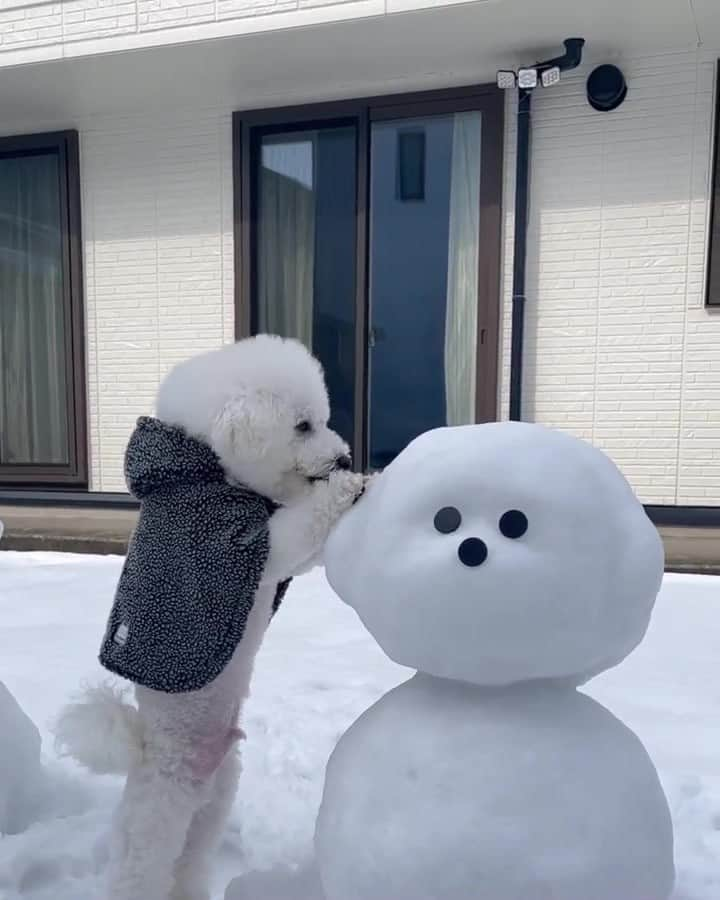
{"points": [[304, 427], [447, 520], [472, 552], [513, 524]]}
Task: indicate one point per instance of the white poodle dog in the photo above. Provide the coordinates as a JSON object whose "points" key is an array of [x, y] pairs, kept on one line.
{"points": [[240, 481]]}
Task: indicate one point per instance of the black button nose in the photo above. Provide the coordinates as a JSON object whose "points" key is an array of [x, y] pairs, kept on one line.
{"points": [[343, 462], [472, 552]]}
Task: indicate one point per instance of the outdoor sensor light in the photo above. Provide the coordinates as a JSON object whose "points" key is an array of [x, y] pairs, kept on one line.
{"points": [[551, 76], [547, 74], [505, 79], [527, 78]]}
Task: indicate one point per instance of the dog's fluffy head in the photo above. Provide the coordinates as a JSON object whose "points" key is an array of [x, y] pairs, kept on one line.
{"points": [[262, 405]]}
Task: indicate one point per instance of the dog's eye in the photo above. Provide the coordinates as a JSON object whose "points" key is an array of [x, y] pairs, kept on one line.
{"points": [[304, 427]]}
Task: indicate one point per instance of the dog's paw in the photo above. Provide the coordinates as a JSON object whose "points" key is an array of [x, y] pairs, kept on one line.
{"points": [[367, 481], [344, 489], [335, 496]]}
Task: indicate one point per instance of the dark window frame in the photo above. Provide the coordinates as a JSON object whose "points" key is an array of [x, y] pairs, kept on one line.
{"points": [[712, 298], [249, 126], [73, 474]]}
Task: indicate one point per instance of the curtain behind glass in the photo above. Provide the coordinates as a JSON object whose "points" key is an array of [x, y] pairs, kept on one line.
{"points": [[33, 417], [286, 247], [462, 281]]}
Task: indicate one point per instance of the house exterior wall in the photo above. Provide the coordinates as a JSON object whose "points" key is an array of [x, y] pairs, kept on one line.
{"points": [[158, 246], [619, 346], [620, 349], [63, 29]]}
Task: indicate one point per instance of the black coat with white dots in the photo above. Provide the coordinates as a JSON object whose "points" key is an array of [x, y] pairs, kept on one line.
{"points": [[193, 567]]}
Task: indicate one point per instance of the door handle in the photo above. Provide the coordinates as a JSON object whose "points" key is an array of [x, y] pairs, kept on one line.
{"points": [[375, 335]]}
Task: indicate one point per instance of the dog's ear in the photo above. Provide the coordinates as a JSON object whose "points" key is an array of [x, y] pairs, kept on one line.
{"points": [[240, 429]]}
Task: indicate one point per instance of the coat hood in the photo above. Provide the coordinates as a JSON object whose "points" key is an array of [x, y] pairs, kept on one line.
{"points": [[160, 456]]}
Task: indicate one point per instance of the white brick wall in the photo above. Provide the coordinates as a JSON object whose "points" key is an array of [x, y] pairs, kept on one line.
{"points": [[157, 217], [619, 347], [52, 29]]}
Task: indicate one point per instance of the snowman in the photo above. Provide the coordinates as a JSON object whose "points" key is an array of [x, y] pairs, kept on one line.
{"points": [[508, 564]]}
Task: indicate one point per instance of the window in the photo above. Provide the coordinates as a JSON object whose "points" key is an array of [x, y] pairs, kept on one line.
{"points": [[42, 388], [370, 230], [713, 281]]}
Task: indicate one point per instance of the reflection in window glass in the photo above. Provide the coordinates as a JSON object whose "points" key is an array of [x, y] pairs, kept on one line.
{"points": [[305, 260]]}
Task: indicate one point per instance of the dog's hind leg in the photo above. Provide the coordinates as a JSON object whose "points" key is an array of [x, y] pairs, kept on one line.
{"points": [[193, 869], [164, 789], [150, 831]]}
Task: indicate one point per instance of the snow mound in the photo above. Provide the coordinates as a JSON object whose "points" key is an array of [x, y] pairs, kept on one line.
{"points": [[21, 774]]}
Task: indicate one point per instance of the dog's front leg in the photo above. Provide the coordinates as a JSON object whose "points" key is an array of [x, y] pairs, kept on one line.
{"points": [[298, 531]]}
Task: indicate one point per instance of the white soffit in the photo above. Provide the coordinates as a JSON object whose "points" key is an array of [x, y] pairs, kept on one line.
{"points": [[452, 44]]}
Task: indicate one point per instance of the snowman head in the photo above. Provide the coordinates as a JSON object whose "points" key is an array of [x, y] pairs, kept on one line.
{"points": [[500, 553]]}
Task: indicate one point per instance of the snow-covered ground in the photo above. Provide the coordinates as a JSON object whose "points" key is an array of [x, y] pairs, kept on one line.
{"points": [[317, 671]]}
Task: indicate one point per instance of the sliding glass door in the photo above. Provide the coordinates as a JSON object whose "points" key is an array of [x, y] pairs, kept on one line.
{"points": [[424, 247], [371, 232]]}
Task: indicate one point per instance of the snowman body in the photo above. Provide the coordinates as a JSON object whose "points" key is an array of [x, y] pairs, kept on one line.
{"points": [[509, 564], [444, 790]]}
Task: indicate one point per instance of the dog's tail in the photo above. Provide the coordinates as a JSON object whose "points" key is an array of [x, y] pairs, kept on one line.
{"points": [[101, 731]]}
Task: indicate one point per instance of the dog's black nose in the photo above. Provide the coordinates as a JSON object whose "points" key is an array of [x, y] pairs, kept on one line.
{"points": [[472, 552], [343, 462]]}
